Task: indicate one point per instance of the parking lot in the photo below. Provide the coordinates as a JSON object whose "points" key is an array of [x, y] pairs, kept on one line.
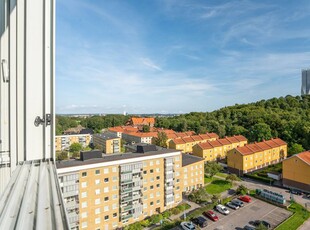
{"points": [[256, 210]]}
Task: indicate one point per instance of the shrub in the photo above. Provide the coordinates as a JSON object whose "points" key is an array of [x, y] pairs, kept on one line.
{"points": [[166, 214], [156, 218]]}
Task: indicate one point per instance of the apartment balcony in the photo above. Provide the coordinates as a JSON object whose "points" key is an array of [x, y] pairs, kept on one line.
{"points": [[126, 190], [137, 170], [126, 181], [135, 188], [169, 172], [169, 180], [126, 199], [167, 188], [126, 217], [71, 193], [127, 208], [136, 179]]}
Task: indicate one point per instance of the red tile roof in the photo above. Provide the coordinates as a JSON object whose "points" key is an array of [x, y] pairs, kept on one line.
{"points": [[263, 145], [240, 138], [215, 143], [179, 141], [304, 156], [142, 120], [205, 145], [260, 146]]}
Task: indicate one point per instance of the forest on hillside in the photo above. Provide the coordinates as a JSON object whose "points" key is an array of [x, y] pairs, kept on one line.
{"points": [[286, 117]]}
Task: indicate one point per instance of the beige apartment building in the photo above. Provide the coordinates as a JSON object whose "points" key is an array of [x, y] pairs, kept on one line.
{"points": [[107, 142], [63, 142], [192, 172], [217, 149], [119, 189]]}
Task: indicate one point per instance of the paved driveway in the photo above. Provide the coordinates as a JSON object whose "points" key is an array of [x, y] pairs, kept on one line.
{"points": [[256, 210]]}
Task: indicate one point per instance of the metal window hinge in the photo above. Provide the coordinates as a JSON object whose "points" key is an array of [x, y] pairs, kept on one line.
{"points": [[5, 70], [41, 121]]}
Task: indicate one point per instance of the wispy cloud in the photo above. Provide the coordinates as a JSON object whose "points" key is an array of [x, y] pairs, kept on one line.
{"points": [[149, 63]]}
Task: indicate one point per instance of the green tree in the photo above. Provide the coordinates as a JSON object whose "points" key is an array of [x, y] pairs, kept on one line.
{"points": [[156, 218], [242, 189], [213, 168], [295, 148], [134, 226], [215, 198], [75, 147], [145, 128], [259, 132], [199, 196], [232, 177], [161, 139]]}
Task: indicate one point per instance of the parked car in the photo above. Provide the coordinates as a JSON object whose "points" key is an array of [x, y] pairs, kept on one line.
{"points": [[259, 222], [238, 202], [231, 205], [296, 192], [200, 221], [245, 198], [248, 227], [211, 215], [187, 226], [222, 209]]}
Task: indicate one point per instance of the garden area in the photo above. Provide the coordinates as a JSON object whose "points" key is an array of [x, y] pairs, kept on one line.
{"points": [[218, 186], [297, 219], [261, 175]]}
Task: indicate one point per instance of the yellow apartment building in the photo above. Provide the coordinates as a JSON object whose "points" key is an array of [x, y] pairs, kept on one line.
{"points": [[185, 144], [217, 149], [63, 142], [119, 189], [296, 171], [192, 172], [107, 142], [254, 156]]}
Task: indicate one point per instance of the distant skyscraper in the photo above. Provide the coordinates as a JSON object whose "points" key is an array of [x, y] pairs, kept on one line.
{"points": [[305, 82]]}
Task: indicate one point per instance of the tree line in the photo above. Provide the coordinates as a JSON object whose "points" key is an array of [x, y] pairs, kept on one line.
{"points": [[286, 117]]}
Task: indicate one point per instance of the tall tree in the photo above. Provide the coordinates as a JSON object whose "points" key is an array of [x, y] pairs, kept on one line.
{"points": [[161, 139], [213, 168]]}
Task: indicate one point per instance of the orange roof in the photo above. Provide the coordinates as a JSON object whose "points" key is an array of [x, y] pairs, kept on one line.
{"points": [[188, 139], [205, 145], [142, 120], [263, 145], [255, 148], [178, 141], [213, 135], [279, 141], [244, 150], [224, 141], [215, 143], [140, 134], [236, 139], [240, 138], [197, 138], [304, 156]]}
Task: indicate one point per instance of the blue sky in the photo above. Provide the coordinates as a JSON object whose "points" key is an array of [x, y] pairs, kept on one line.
{"points": [[175, 56]]}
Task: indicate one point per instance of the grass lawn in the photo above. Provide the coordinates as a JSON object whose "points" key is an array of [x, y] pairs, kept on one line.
{"points": [[208, 179], [223, 175], [218, 186], [300, 215]]}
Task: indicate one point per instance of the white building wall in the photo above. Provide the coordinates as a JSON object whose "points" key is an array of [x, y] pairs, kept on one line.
{"points": [[26, 80]]}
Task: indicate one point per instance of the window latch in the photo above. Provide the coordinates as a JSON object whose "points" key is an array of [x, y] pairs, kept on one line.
{"points": [[5, 70], [47, 120]]}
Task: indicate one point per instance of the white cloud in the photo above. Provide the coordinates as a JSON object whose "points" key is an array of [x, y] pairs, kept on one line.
{"points": [[149, 63]]}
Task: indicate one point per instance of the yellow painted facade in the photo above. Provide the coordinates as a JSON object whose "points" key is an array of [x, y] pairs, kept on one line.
{"points": [[63, 142], [255, 156], [193, 176], [107, 143], [296, 171], [185, 144], [102, 190], [217, 149]]}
